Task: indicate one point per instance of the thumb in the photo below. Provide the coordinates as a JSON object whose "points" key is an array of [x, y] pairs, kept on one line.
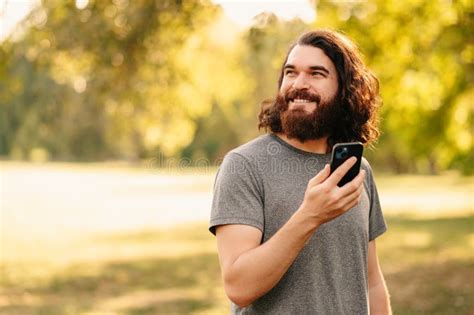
{"points": [[321, 176]]}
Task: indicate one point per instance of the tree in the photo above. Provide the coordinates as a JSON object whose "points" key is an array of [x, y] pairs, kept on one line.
{"points": [[422, 52], [99, 81]]}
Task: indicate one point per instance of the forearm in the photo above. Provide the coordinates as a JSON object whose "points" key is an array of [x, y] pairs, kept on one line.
{"points": [[379, 298], [257, 271]]}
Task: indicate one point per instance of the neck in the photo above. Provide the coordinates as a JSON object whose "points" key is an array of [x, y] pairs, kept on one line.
{"points": [[314, 146]]}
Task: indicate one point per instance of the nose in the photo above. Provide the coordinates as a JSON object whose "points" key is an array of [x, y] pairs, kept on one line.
{"points": [[300, 82]]}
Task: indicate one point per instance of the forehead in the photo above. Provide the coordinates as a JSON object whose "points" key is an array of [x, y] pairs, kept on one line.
{"points": [[303, 56]]}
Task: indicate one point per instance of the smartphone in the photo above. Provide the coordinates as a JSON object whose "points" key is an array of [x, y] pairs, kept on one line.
{"points": [[343, 151]]}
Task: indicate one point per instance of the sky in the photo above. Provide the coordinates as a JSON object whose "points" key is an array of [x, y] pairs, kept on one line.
{"points": [[242, 12], [11, 12], [239, 11]]}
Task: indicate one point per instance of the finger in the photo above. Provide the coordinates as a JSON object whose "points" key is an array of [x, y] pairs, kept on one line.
{"points": [[321, 176], [354, 194], [353, 185], [339, 173], [352, 204], [350, 200]]}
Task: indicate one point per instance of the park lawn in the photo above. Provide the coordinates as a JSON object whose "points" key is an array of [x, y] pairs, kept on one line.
{"points": [[428, 264], [167, 271], [426, 256]]}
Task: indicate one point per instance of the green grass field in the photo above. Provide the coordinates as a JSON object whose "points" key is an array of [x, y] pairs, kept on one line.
{"points": [[427, 260]]}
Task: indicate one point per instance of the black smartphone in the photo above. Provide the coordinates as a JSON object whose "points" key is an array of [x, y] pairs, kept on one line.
{"points": [[340, 153]]}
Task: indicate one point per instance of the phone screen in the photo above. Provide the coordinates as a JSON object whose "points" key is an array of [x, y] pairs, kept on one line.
{"points": [[343, 151]]}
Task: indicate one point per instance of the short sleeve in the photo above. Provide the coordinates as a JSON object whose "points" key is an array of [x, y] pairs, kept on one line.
{"points": [[237, 195], [377, 224]]}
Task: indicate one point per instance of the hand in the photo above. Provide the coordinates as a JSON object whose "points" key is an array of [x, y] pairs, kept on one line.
{"points": [[324, 200]]}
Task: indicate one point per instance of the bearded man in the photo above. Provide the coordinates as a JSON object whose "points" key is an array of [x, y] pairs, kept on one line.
{"points": [[291, 241]]}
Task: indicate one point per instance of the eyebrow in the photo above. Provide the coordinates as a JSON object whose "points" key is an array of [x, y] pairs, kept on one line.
{"points": [[320, 68]]}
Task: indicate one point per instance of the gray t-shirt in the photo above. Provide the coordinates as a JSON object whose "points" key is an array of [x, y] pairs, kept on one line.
{"points": [[262, 183]]}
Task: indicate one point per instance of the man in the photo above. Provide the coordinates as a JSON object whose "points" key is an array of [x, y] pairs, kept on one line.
{"points": [[290, 241]]}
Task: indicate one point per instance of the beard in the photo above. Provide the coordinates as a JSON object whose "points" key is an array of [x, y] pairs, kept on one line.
{"points": [[303, 126]]}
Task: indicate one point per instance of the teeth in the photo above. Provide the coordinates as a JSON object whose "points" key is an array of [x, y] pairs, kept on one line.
{"points": [[301, 101]]}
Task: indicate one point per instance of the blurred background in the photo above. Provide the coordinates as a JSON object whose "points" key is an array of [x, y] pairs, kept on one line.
{"points": [[115, 115]]}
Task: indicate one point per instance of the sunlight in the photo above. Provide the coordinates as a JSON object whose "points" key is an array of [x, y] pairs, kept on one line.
{"points": [[11, 12], [243, 12]]}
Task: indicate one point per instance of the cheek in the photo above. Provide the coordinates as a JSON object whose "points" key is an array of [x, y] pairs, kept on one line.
{"points": [[285, 85], [330, 90]]}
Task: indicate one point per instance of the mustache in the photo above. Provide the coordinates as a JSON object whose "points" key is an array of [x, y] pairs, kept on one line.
{"points": [[302, 94]]}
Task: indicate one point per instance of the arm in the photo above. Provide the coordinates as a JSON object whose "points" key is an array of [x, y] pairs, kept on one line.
{"points": [[251, 269], [378, 293]]}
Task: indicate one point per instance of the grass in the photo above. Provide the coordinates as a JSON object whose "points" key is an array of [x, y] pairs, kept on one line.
{"points": [[427, 263], [426, 256], [163, 282]]}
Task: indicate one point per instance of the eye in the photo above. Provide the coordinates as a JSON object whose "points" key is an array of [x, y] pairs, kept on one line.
{"points": [[289, 73], [318, 73]]}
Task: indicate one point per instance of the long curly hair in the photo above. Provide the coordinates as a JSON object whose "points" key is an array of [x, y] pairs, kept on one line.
{"points": [[358, 93]]}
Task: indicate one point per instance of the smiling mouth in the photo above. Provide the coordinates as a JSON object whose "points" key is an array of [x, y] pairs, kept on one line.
{"points": [[298, 103]]}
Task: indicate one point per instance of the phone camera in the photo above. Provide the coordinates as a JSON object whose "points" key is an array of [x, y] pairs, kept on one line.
{"points": [[342, 153]]}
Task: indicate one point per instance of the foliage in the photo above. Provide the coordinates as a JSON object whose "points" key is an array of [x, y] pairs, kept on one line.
{"points": [[130, 80], [425, 68], [103, 81], [422, 52]]}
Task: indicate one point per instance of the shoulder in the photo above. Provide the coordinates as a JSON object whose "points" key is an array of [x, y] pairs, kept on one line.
{"points": [[365, 165], [251, 151], [256, 147], [369, 180], [245, 157]]}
